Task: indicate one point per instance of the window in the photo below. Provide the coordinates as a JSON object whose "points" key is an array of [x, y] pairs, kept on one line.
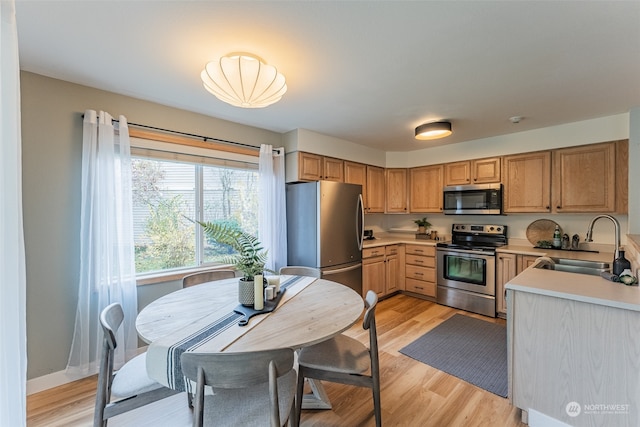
{"points": [[172, 190]]}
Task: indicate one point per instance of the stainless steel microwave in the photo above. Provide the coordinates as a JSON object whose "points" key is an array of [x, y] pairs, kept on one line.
{"points": [[475, 199]]}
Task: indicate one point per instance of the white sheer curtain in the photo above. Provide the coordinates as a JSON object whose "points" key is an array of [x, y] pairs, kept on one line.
{"points": [[272, 218], [13, 335], [107, 266]]}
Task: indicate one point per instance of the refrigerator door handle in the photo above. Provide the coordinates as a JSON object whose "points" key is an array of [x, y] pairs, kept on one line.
{"points": [[341, 270], [360, 214]]}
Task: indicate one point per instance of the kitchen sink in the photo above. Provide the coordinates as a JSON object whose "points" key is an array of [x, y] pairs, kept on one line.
{"points": [[593, 268]]}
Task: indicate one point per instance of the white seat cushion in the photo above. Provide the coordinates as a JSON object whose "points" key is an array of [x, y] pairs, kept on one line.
{"points": [[249, 406], [132, 378], [339, 354]]}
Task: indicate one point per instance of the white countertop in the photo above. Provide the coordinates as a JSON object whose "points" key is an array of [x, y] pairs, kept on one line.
{"points": [[397, 238], [577, 287]]}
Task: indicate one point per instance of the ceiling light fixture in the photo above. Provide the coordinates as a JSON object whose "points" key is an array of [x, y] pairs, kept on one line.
{"points": [[244, 80], [433, 130]]}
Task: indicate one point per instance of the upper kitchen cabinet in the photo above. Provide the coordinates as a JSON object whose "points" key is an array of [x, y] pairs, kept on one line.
{"points": [[396, 188], [303, 166], [527, 182], [585, 178], [425, 184], [333, 169], [479, 171], [356, 173], [375, 200]]}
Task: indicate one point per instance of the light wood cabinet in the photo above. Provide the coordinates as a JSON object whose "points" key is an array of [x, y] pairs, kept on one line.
{"points": [[508, 266], [314, 167], [584, 178], [396, 199], [381, 269], [356, 173], [332, 169], [505, 271], [375, 200], [420, 269], [425, 185], [527, 182], [309, 167], [479, 171]]}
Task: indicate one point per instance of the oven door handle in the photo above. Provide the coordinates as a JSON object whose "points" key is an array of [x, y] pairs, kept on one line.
{"points": [[476, 254]]}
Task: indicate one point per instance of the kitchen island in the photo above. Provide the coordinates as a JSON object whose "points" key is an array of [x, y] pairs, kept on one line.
{"points": [[573, 349]]}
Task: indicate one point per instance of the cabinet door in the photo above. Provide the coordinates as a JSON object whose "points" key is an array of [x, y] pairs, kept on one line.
{"points": [[484, 171], [524, 261], [373, 275], [527, 182], [505, 271], [396, 191], [309, 167], [356, 173], [584, 178], [333, 169], [458, 173], [426, 189], [375, 190], [392, 274]]}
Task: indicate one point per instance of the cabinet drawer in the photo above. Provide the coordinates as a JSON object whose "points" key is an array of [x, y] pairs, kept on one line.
{"points": [[420, 287], [421, 273], [420, 250], [372, 252], [391, 249], [423, 261]]}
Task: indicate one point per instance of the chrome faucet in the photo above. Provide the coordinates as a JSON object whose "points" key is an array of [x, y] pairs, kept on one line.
{"points": [[616, 224]]}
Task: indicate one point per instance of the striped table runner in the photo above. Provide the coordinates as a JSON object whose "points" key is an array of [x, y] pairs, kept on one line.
{"points": [[213, 333]]}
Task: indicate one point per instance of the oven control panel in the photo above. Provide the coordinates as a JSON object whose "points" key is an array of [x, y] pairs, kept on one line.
{"points": [[480, 229]]}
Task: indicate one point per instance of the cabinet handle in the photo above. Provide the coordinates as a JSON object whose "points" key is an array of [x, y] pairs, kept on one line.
{"points": [[558, 207], [417, 273], [419, 250], [418, 287], [419, 261]]}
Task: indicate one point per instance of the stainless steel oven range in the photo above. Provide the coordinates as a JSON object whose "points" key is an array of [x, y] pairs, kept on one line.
{"points": [[466, 267]]}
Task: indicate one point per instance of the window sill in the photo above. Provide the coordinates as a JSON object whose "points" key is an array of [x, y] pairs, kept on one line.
{"points": [[168, 276]]}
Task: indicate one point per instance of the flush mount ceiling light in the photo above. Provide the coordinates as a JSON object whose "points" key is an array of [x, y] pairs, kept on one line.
{"points": [[433, 130], [243, 80]]}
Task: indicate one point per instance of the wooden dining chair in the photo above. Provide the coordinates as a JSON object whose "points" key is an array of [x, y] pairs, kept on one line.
{"points": [[206, 276], [296, 270], [345, 360], [130, 385], [249, 389]]}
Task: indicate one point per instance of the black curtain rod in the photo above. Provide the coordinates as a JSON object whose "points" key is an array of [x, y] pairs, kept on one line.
{"points": [[204, 138]]}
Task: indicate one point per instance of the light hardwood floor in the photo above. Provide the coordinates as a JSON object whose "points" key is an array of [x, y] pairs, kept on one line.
{"points": [[413, 394]]}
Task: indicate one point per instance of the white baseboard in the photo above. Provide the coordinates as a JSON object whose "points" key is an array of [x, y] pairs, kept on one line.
{"points": [[59, 378], [538, 419], [52, 380]]}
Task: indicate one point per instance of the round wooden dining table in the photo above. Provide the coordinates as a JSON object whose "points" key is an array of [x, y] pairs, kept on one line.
{"points": [[311, 311]]}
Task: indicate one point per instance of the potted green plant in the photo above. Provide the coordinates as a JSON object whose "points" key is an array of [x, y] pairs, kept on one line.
{"points": [[423, 225], [249, 259]]}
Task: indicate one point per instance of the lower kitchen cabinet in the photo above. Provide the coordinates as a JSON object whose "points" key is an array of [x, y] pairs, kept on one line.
{"points": [[508, 266], [420, 269], [382, 269]]}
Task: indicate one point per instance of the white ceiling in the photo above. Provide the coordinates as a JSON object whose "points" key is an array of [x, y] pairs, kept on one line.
{"points": [[364, 71]]}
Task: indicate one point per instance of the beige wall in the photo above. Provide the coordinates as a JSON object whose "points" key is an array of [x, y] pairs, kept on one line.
{"points": [[51, 150]]}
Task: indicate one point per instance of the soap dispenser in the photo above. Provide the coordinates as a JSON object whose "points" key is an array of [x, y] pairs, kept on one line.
{"points": [[621, 263]]}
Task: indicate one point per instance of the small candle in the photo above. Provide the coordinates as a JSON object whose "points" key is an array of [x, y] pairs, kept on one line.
{"points": [[275, 281], [269, 293], [258, 292]]}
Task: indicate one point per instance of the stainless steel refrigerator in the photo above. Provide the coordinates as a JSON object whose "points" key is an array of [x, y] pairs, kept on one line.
{"points": [[325, 229]]}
